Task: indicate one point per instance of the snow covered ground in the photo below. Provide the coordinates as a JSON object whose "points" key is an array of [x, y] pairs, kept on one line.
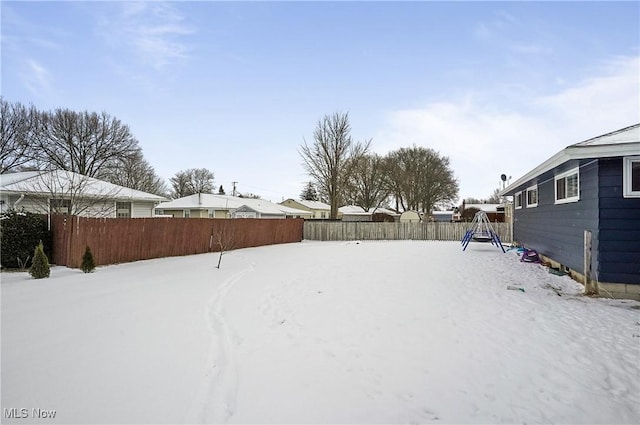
{"points": [[318, 332]]}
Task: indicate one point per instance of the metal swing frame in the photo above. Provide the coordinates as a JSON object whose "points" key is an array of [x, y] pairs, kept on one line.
{"points": [[481, 230]]}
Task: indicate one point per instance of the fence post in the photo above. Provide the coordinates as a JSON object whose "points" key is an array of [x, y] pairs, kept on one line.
{"points": [[589, 287]]}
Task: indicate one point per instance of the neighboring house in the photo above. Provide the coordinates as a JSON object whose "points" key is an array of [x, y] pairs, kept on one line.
{"points": [[495, 212], [384, 214], [356, 213], [353, 213], [268, 210], [207, 205], [66, 192], [592, 185], [319, 210], [443, 216]]}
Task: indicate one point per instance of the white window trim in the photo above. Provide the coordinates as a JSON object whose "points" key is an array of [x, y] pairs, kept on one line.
{"points": [[130, 210], [626, 177], [561, 176], [530, 189], [515, 203], [186, 213]]}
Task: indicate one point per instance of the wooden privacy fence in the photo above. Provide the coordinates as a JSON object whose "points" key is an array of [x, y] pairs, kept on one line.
{"points": [[120, 240], [348, 231]]}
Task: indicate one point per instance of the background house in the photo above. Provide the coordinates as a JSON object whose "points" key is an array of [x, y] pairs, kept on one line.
{"points": [[66, 192], [495, 212], [353, 213], [595, 186], [443, 216], [384, 214], [207, 205], [268, 210], [356, 213], [319, 210]]}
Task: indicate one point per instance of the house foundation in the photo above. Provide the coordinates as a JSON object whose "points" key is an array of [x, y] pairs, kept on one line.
{"points": [[603, 289]]}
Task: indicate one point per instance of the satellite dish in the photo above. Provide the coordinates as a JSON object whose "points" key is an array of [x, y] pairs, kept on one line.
{"points": [[503, 177]]}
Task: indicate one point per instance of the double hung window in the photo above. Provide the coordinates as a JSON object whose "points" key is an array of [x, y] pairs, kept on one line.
{"points": [[532, 197], [631, 177], [517, 200], [567, 186]]}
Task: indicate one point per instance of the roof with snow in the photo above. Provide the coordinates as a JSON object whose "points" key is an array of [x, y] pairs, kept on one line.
{"points": [[627, 135], [61, 182], [314, 205], [382, 210], [484, 207], [208, 201], [352, 209], [625, 141]]}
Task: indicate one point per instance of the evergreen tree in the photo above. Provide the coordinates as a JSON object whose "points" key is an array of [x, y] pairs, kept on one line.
{"points": [[309, 193], [88, 264], [40, 264], [20, 231], [221, 191]]}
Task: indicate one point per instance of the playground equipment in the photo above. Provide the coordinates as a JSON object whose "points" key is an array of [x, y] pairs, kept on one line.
{"points": [[481, 230]]}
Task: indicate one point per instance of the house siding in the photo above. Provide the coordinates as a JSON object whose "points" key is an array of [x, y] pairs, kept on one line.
{"points": [[317, 214], [619, 235], [557, 230], [142, 209]]}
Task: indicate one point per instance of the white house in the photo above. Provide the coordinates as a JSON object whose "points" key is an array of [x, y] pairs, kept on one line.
{"points": [[207, 205], [66, 192], [356, 213]]}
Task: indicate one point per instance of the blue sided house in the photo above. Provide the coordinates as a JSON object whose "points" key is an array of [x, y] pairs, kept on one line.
{"points": [[592, 185]]}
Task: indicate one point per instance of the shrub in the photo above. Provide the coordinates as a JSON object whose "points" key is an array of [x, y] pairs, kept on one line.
{"points": [[40, 264], [20, 231], [88, 264]]}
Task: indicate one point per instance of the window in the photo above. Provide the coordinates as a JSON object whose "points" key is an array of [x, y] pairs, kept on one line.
{"points": [[186, 213], [517, 200], [123, 209], [60, 206], [567, 187], [532, 197], [631, 177]]}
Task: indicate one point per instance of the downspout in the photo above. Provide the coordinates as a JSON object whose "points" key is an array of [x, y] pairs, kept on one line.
{"points": [[19, 200]]}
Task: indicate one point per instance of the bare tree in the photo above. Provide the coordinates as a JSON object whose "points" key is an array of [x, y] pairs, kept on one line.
{"points": [[249, 195], [495, 197], [193, 180], [180, 185], [136, 173], [332, 157], [201, 180], [86, 143], [421, 179], [368, 183], [224, 236], [17, 131]]}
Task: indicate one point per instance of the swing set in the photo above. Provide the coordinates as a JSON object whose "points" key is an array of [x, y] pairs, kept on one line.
{"points": [[481, 230]]}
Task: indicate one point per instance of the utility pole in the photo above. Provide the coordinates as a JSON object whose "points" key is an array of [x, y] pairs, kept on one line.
{"points": [[234, 188]]}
